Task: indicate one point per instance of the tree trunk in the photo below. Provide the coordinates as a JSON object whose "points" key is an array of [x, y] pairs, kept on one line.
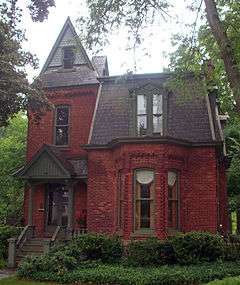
{"points": [[225, 47]]}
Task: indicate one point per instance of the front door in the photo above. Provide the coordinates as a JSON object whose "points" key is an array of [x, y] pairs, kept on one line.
{"points": [[56, 206]]}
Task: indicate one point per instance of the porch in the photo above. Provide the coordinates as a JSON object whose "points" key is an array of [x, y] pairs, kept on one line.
{"points": [[55, 202]]}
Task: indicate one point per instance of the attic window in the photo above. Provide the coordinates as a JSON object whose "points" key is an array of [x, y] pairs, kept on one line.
{"points": [[68, 57]]}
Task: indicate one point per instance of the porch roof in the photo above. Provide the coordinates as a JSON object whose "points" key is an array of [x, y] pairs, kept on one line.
{"points": [[51, 163]]}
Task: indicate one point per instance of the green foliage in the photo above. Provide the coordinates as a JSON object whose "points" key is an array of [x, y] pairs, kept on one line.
{"points": [[98, 247], [83, 251], [194, 247], [162, 275], [7, 232], [16, 92], [12, 156], [150, 252]]}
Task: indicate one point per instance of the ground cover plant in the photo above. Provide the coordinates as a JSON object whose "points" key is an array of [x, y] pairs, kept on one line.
{"points": [[191, 258]]}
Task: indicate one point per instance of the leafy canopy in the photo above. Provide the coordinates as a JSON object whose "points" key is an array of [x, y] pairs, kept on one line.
{"points": [[16, 93]]}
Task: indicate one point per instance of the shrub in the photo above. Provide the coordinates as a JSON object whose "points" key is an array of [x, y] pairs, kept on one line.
{"points": [[7, 232], [232, 252], [197, 247], [150, 252], [97, 247]]}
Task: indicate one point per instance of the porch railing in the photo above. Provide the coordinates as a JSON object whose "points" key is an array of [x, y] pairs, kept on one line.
{"points": [[15, 244]]}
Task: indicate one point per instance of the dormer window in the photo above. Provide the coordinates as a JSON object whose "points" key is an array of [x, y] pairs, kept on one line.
{"points": [[68, 57], [149, 114]]}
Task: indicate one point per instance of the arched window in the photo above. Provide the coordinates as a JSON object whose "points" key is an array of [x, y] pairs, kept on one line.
{"points": [[173, 200], [144, 199]]}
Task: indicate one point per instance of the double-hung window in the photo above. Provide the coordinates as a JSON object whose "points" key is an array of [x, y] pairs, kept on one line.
{"points": [[62, 125], [173, 200], [144, 199], [149, 114]]}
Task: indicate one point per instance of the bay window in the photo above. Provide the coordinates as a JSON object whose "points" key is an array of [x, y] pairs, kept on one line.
{"points": [[144, 199], [173, 200]]}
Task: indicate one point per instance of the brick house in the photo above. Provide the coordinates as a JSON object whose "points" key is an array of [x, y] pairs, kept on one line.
{"points": [[121, 155]]}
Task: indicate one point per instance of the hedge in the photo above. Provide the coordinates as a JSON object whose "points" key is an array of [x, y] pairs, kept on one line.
{"points": [[162, 275]]}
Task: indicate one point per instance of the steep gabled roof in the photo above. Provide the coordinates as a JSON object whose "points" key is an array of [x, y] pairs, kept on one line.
{"points": [[101, 65], [54, 75], [67, 26]]}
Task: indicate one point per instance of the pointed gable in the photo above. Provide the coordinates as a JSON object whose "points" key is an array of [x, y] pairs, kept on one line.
{"points": [[44, 165], [67, 38], [82, 72]]}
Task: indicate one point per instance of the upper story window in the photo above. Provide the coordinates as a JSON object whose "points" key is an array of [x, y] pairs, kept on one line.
{"points": [[68, 57], [173, 200], [149, 114], [62, 125], [144, 199]]}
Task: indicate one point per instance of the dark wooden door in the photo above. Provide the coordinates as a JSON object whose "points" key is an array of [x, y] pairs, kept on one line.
{"points": [[56, 206]]}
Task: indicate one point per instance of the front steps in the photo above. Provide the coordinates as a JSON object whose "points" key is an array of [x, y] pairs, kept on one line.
{"points": [[32, 247]]}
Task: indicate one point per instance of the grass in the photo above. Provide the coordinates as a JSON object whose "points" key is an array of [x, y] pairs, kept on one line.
{"points": [[15, 281], [226, 281]]}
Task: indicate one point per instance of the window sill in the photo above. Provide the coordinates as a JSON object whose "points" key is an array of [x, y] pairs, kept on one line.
{"points": [[143, 233], [172, 232]]}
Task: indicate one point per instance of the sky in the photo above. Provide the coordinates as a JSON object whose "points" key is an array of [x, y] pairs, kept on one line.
{"points": [[41, 38]]}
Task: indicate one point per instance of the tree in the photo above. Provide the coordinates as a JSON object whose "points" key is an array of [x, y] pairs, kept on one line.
{"points": [[105, 15], [12, 156], [16, 93], [225, 46]]}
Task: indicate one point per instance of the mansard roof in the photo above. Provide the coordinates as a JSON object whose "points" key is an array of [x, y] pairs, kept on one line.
{"points": [[193, 121], [84, 70]]}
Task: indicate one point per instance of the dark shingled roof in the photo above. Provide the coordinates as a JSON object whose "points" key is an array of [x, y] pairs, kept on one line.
{"points": [[101, 65], [63, 78], [186, 120]]}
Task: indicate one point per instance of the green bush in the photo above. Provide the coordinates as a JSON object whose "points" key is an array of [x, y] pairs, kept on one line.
{"points": [[194, 247], [150, 252], [232, 252], [82, 252], [97, 247], [7, 232], [162, 275]]}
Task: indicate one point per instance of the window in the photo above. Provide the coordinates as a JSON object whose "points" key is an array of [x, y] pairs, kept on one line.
{"points": [[173, 200], [61, 125], [142, 114], [144, 198], [149, 114], [120, 200], [68, 57], [157, 113]]}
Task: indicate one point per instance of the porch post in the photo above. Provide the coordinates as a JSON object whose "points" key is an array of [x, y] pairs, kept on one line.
{"points": [[70, 206], [30, 205]]}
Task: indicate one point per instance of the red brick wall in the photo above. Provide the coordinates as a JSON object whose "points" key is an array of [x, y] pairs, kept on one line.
{"points": [[80, 207], [82, 103], [198, 186], [223, 199]]}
